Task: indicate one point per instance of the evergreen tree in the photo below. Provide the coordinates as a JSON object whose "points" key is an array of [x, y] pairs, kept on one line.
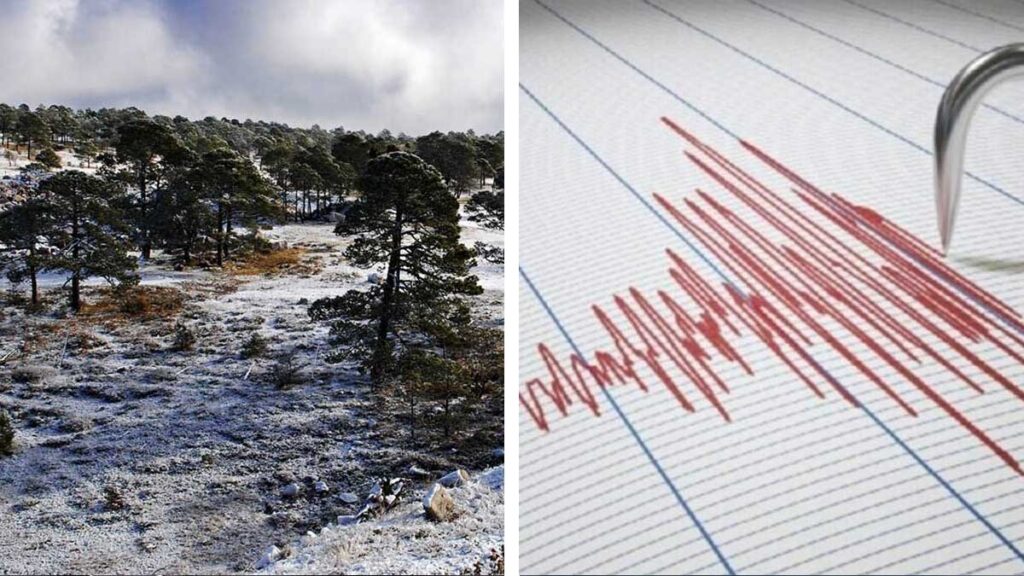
{"points": [[148, 148], [407, 220], [492, 149], [277, 161], [303, 178], [332, 178], [8, 123], [351, 149], [184, 216], [487, 208], [48, 158], [21, 227], [426, 376], [454, 155], [31, 129], [237, 190], [86, 152], [88, 236], [62, 122]]}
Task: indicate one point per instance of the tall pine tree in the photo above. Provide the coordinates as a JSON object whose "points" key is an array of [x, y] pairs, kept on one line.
{"points": [[22, 226], [183, 219], [87, 236], [31, 129], [408, 221], [238, 192], [148, 148]]}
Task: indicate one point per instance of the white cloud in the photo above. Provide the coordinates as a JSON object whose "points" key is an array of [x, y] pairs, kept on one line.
{"points": [[407, 66], [64, 50]]}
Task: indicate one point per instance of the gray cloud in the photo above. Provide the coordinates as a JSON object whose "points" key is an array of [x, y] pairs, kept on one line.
{"points": [[364, 64]]}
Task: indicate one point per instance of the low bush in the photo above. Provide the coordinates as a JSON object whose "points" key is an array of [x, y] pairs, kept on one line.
{"points": [[31, 373], [184, 339], [6, 434], [255, 346], [274, 263], [286, 372], [145, 302]]}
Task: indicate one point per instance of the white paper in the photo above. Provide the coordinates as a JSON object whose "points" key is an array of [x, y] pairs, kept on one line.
{"points": [[843, 95]]}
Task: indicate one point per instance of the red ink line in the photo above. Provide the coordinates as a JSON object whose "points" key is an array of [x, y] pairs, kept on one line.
{"points": [[805, 288]]}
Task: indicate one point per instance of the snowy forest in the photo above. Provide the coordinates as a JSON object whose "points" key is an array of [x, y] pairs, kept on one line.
{"points": [[243, 346]]}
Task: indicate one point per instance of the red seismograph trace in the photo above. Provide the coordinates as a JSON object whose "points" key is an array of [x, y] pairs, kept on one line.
{"points": [[809, 289]]}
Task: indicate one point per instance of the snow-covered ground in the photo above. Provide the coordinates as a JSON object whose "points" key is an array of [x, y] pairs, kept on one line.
{"points": [[491, 275], [133, 457], [67, 159], [472, 543]]}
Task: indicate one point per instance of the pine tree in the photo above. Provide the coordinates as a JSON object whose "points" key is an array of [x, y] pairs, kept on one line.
{"points": [[332, 178], [86, 152], [31, 129], [183, 217], [487, 208], [8, 122], [148, 148], [303, 177], [88, 236], [454, 155], [237, 190], [351, 149], [277, 160], [426, 376], [47, 157], [407, 220], [21, 227]]}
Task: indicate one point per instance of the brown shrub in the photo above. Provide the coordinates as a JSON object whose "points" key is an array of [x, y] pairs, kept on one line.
{"points": [[286, 261], [138, 302]]}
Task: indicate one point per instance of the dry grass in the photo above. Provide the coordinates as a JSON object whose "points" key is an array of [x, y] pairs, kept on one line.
{"points": [[278, 262], [140, 303]]}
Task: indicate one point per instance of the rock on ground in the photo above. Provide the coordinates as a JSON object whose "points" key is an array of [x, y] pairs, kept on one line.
{"points": [[403, 541]]}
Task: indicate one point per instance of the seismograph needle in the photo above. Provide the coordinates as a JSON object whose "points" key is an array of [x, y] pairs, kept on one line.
{"points": [[961, 98]]}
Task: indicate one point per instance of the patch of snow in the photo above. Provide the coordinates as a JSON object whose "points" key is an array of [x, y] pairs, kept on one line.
{"points": [[195, 442], [403, 541]]}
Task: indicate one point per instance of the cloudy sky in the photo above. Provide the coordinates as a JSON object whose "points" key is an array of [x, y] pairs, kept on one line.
{"points": [[409, 66]]}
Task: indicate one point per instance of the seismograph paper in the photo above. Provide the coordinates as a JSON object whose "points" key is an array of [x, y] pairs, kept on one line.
{"points": [[741, 351]]}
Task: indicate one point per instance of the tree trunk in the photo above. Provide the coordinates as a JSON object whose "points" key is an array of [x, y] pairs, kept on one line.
{"points": [[227, 236], [412, 419], [76, 299], [447, 416], [35, 285], [76, 276], [390, 292], [142, 205], [220, 234]]}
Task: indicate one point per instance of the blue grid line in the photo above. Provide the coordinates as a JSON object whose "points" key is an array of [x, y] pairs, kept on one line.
{"points": [[822, 95]]}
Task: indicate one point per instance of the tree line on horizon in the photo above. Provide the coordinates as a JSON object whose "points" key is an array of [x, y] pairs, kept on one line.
{"points": [[288, 153]]}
